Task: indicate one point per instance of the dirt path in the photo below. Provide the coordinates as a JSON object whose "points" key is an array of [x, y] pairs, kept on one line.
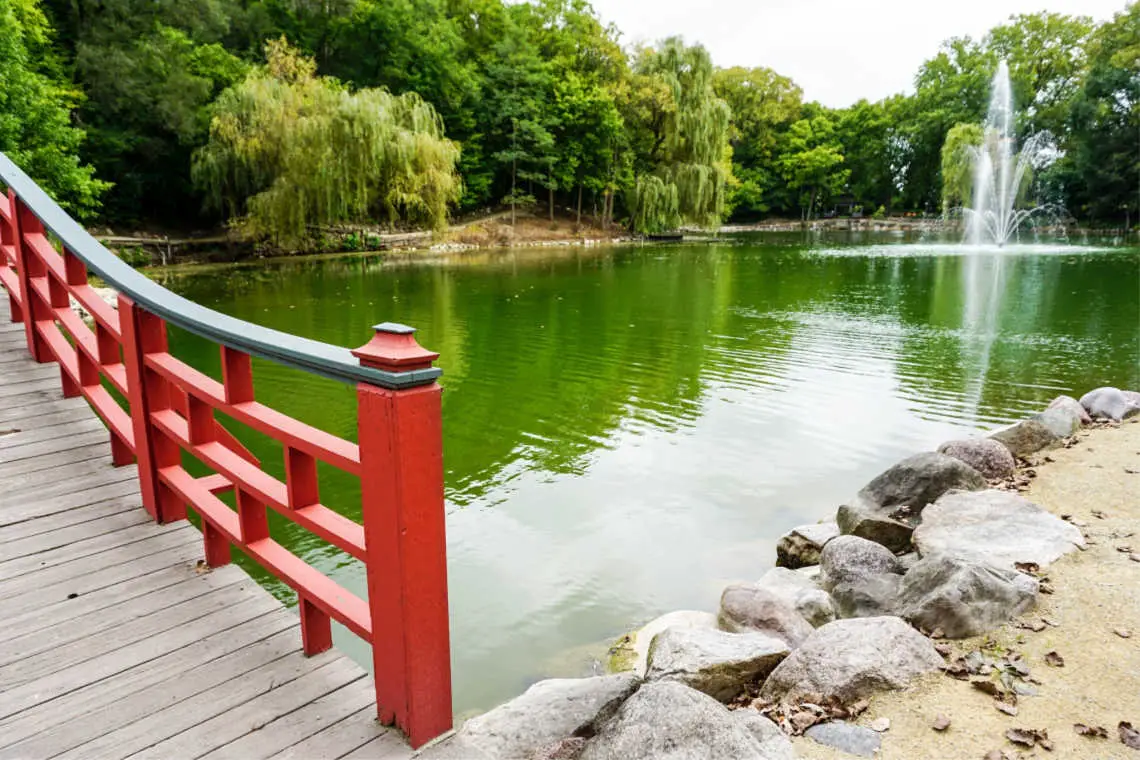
{"points": [[1096, 592]]}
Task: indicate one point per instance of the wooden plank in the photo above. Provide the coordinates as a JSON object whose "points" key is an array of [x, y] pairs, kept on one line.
{"points": [[40, 478], [33, 510], [10, 412], [31, 693], [254, 714], [390, 746], [52, 462], [89, 574], [37, 420], [35, 372], [8, 390], [97, 621], [299, 725], [36, 490], [338, 739], [50, 447], [53, 539], [73, 518], [43, 551], [40, 433], [209, 677], [174, 666], [155, 623]]}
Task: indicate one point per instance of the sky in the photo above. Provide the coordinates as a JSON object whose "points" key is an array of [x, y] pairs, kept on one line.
{"points": [[838, 51]]}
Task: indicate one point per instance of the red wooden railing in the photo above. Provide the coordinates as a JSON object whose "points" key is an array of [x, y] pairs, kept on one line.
{"points": [[171, 408]]}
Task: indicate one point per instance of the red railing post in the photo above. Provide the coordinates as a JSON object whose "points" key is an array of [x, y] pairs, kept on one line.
{"points": [[147, 392], [401, 460], [10, 237], [29, 266]]}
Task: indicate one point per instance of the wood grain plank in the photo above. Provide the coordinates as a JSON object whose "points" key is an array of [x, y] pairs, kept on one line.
{"points": [[340, 738], [64, 502], [59, 521], [37, 562], [29, 450], [50, 432]]}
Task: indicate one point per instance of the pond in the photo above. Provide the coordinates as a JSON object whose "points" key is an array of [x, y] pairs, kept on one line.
{"points": [[628, 429]]}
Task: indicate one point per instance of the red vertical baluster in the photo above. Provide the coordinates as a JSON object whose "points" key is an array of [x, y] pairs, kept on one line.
{"points": [[30, 266], [401, 459], [9, 238], [203, 429], [144, 333], [303, 491]]}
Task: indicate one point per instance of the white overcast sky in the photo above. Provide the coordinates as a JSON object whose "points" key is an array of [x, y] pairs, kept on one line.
{"points": [[838, 51]]}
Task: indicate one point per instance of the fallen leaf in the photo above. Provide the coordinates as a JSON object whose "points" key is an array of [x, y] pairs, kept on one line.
{"points": [[1054, 659], [1030, 737], [1123, 633], [1007, 709], [1124, 549], [937, 633], [1134, 557], [1050, 621], [201, 568], [943, 649], [941, 722], [1030, 568], [989, 687], [1099, 515], [1130, 471], [1128, 735], [1094, 732], [1045, 587], [1032, 625], [880, 725]]}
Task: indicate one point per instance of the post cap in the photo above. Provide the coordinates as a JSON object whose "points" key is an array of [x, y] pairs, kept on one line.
{"points": [[394, 348]]}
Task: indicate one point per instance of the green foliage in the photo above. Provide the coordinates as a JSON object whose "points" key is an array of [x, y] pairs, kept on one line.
{"points": [[812, 162], [134, 255], [958, 155], [290, 151], [35, 129]]}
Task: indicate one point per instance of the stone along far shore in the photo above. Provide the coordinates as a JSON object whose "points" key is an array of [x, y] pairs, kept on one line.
{"points": [[928, 620]]}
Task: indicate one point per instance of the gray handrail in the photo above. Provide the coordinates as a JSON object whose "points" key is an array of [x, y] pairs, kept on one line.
{"points": [[290, 350]]}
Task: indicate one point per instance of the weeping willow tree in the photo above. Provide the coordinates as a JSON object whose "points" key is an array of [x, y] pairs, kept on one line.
{"points": [[290, 152], [685, 128], [959, 153]]}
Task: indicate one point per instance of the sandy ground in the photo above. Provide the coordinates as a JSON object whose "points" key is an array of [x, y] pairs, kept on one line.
{"points": [[1097, 591]]}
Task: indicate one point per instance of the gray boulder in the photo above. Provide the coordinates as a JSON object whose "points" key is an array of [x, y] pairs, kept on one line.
{"points": [[851, 659], [802, 592], [1070, 404], [717, 663], [546, 713], [846, 737], [919, 480], [869, 597], [1026, 437], [1061, 421], [989, 457], [850, 559], [997, 528], [800, 546], [1132, 397], [1109, 404], [630, 653], [666, 720], [963, 598], [774, 743], [752, 608], [867, 521]]}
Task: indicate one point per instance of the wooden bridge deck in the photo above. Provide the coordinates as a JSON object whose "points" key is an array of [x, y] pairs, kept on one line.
{"points": [[112, 643]]}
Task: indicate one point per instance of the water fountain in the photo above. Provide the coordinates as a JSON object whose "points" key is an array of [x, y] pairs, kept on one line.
{"points": [[1001, 172]]}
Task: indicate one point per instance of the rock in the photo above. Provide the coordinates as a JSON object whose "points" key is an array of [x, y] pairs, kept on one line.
{"points": [[1132, 397], [811, 573], [752, 608], [846, 737], [867, 521], [774, 743], [1072, 405], [801, 592], [1109, 404], [666, 720], [547, 712], [800, 546], [997, 528], [1025, 437], [851, 659], [963, 598], [989, 457], [1060, 421], [873, 596], [630, 653], [850, 559], [717, 663], [567, 749], [919, 480]]}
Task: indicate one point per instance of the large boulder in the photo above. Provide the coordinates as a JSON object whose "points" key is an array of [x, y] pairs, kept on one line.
{"points": [[997, 528], [630, 653], [546, 713], [1060, 421], [802, 592], [888, 508], [666, 720], [963, 598], [1071, 405], [873, 596], [850, 559], [1026, 437], [1109, 404], [989, 457], [800, 546], [851, 659], [774, 743], [717, 663], [752, 608]]}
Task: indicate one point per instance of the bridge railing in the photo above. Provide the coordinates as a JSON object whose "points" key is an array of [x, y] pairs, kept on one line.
{"points": [[171, 408]]}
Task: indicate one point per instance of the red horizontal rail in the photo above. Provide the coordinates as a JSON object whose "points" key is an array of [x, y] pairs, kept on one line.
{"points": [[171, 408]]}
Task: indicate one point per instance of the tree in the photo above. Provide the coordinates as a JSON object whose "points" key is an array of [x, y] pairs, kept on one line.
{"points": [[812, 162], [868, 139], [35, 128], [683, 176], [959, 154], [290, 151]]}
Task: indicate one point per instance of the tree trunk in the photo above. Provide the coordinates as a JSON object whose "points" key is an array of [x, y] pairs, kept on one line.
{"points": [[514, 174], [550, 190], [579, 221]]}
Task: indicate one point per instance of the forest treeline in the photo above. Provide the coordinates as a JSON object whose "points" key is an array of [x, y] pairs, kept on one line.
{"points": [[280, 116]]}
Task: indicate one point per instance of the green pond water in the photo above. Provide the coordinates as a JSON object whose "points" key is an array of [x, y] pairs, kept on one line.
{"points": [[628, 429]]}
